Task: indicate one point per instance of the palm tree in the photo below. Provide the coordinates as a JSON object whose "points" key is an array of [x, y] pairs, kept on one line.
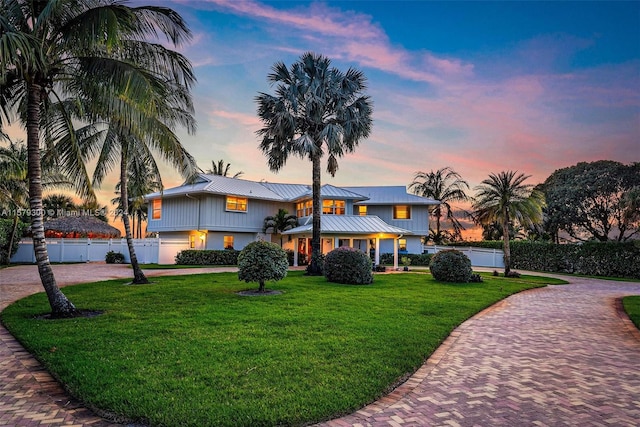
{"points": [[280, 222], [142, 178], [446, 186], [55, 205], [316, 110], [81, 53], [126, 150], [222, 170], [504, 198], [13, 185]]}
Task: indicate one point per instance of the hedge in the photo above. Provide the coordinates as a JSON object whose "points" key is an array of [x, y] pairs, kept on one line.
{"points": [[207, 257], [416, 259], [609, 259]]}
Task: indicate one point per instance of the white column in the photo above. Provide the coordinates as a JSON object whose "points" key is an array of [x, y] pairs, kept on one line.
{"points": [[395, 253], [295, 252], [377, 257], [335, 242]]}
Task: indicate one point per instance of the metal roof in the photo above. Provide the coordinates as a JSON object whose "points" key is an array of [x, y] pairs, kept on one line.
{"points": [[350, 224], [216, 184], [289, 191], [390, 195]]}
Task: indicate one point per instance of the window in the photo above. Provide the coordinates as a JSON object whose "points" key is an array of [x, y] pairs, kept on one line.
{"points": [[156, 209], [304, 208], [361, 210], [192, 241], [333, 207], [237, 204], [401, 212], [402, 245], [228, 242]]}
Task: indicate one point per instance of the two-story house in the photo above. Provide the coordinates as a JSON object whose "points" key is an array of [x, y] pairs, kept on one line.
{"points": [[216, 212]]}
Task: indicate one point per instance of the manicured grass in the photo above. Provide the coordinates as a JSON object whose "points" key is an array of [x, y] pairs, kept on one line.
{"points": [[189, 351], [632, 307], [178, 266]]}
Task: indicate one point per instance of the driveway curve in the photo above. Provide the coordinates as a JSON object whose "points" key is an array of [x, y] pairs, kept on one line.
{"points": [[556, 356]]}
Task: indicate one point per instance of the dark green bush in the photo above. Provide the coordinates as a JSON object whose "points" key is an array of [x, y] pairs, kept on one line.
{"points": [[451, 266], [609, 259], [114, 258], [475, 278], [348, 265], [416, 259], [207, 257], [262, 261]]}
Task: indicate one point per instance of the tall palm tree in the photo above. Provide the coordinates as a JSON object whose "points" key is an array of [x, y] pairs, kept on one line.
{"points": [[316, 110], [504, 198], [222, 170], [282, 221], [446, 186], [82, 53], [127, 150], [143, 177]]}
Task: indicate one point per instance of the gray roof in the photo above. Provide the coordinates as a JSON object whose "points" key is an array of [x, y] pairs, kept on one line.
{"points": [[390, 195], [350, 224], [217, 184], [289, 191]]}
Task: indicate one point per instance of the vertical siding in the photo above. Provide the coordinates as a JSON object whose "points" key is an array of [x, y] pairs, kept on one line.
{"points": [[176, 213], [419, 222], [216, 217]]}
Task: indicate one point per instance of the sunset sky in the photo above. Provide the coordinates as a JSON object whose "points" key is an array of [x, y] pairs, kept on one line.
{"points": [[481, 87]]}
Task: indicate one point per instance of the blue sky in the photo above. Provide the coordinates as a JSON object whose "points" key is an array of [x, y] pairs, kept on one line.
{"points": [[481, 87], [478, 86]]}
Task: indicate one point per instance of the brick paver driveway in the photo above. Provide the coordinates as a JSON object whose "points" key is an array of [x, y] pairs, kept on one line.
{"points": [[557, 356]]}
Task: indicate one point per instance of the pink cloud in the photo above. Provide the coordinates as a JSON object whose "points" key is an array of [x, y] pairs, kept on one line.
{"points": [[242, 119], [320, 19]]}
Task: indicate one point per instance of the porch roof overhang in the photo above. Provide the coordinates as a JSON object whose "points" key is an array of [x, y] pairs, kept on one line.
{"points": [[349, 224]]}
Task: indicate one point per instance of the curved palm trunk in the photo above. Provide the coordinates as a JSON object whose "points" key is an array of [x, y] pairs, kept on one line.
{"points": [[60, 305], [505, 239], [315, 269], [138, 276], [14, 229]]}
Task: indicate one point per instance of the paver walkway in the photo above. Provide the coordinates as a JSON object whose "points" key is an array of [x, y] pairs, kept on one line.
{"points": [[557, 356]]}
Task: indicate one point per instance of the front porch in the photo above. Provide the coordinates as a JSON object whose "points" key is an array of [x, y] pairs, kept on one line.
{"points": [[365, 233]]}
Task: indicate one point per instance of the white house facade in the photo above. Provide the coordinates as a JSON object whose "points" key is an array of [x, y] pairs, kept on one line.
{"points": [[217, 212]]}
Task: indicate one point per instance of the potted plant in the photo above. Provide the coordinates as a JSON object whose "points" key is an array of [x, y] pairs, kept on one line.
{"points": [[406, 261]]}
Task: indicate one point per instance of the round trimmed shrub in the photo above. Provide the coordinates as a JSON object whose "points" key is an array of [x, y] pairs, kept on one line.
{"points": [[451, 266], [348, 265], [262, 261]]}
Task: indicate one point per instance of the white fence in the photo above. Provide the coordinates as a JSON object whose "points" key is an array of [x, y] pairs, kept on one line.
{"points": [[480, 257], [148, 251], [152, 251]]}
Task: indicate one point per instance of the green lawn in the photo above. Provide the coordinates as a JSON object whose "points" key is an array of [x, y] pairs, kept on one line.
{"points": [[189, 351], [632, 307]]}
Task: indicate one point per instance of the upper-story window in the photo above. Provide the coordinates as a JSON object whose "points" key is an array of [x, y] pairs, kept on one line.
{"points": [[304, 208], [156, 209], [361, 210], [401, 212], [333, 207], [236, 204]]}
